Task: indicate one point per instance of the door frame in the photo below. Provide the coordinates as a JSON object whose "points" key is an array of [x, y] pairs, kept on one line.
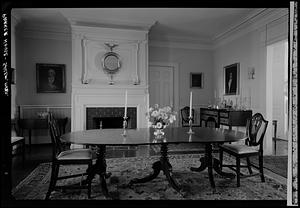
{"points": [[175, 68]]}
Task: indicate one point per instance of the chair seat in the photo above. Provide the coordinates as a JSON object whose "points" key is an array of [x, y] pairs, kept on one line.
{"points": [[75, 154], [240, 149], [15, 139]]}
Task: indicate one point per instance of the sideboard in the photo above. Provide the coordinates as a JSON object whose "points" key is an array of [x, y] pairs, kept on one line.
{"points": [[227, 117]]}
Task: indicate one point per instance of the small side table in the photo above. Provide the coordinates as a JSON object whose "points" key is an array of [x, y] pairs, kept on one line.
{"points": [[30, 124]]}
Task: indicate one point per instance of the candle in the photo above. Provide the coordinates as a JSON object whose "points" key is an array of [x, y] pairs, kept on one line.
{"points": [[125, 114], [191, 101]]}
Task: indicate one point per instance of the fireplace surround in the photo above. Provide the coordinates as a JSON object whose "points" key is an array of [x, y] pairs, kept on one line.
{"points": [[110, 117]]}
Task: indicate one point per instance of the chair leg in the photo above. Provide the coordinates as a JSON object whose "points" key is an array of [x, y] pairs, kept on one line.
{"points": [[238, 171], [221, 158], [54, 174], [249, 165], [261, 168]]}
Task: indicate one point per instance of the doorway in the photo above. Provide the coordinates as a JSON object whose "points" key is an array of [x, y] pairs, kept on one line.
{"points": [[163, 85]]}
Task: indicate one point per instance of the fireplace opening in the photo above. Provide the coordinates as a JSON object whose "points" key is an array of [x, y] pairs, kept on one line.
{"points": [[110, 117]]}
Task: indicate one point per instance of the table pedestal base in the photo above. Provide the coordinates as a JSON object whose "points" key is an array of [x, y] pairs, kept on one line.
{"points": [[211, 163], [164, 165], [99, 168]]}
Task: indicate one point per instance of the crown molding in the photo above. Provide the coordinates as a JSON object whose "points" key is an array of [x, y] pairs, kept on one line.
{"points": [[93, 22], [182, 45], [253, 22]]}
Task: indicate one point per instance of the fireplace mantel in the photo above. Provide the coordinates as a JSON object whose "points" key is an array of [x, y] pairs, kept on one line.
{"points": [[90, 84], [101, 97]]}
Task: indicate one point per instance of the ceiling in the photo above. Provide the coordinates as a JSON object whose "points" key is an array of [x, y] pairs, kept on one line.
{"points": [[203, 24]]}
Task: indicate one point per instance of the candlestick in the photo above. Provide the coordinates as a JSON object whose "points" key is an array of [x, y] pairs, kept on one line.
{"points": [[124, 126], [191, 101], [125, 114], [190, 124]]}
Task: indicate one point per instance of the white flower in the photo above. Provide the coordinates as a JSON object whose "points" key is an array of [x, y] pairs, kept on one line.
{"points": [[159, 125], [160, 117], [155, 113]]}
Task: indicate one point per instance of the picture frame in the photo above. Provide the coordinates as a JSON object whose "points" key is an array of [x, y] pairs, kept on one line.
{"points": [[50, 78], [232, 79], [196, 80]]}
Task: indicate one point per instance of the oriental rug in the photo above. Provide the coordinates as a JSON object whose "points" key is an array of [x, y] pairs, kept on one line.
{"points": [[276, 164], [195, 185]]}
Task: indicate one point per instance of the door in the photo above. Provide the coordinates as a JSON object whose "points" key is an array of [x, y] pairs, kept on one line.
{"points": [[161, 80]]}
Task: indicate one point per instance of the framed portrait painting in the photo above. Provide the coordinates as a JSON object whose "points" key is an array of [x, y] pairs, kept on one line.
{"points": [[232, 79], [50, 78], [196, 80]]}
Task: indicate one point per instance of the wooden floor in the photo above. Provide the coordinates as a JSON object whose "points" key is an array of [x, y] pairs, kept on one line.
{"points": [[41, 153]]}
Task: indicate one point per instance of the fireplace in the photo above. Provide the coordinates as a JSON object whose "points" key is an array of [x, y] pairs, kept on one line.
{"points": [[110, 117]]}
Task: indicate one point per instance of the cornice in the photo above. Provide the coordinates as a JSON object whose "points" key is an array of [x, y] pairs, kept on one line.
{"points": [[256, 21], [183, 45], [139, 26]]}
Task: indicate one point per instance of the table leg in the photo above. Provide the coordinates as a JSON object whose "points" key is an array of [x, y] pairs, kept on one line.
{"points": [[164, 165], [100, 169], [211, 164]]}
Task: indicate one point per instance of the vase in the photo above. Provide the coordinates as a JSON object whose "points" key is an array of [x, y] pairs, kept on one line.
{"points": [[159, 133]]}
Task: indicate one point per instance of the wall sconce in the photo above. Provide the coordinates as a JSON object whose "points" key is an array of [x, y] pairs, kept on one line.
{"points": [[251, 72]]}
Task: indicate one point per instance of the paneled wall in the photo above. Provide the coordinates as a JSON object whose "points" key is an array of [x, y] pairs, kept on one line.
{"points": [[33, 111]]}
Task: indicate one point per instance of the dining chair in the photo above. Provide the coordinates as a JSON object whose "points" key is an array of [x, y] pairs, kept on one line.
{"points": [[63, 156], [255, 130], [185, 116]]}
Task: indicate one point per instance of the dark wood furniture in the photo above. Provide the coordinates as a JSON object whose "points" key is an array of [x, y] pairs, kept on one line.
{"points": [[225, 117], [31, 124], [256, 129], [145, 136], [66, 157], [185, 113]]}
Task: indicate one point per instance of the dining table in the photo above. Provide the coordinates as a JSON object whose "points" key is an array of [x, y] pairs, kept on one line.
{"points": [[101, 138]]}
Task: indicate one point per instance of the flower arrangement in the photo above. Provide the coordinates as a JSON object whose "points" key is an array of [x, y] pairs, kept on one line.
{"points": [[160, 118]]}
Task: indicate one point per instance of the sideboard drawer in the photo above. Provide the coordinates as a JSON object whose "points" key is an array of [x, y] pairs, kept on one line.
{"points": [[208, 112], [224, 121], [224, 114]]}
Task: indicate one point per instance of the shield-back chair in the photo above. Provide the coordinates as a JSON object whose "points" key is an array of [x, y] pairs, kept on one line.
{"points": [[255, 130]]}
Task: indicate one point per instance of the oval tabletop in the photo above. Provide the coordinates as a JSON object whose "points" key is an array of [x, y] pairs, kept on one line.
{"points": [[145, 136]]}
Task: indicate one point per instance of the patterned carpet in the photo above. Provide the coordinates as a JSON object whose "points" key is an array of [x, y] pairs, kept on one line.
{"points": [[276, 164], [195, 185]]}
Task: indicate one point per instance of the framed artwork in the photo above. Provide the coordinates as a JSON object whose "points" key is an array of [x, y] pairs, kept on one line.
{"points": [[50, 78], [232, 79], [196, 80]]}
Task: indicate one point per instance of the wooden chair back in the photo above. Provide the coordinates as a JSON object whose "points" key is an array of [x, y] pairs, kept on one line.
{"points": [[55, 135], [256, 128], [185, 113]]}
